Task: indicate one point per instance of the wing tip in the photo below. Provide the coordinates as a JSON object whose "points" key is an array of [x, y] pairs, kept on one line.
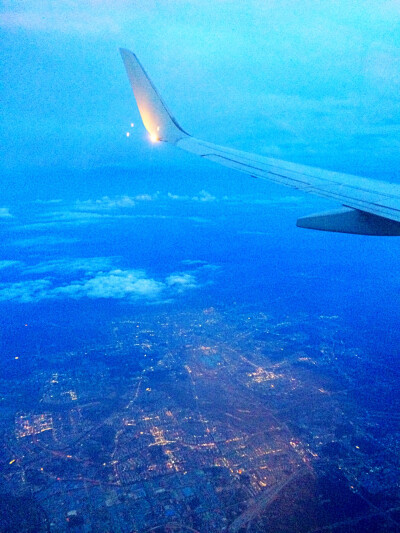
{"points": [[125, 52], [156, 117]]}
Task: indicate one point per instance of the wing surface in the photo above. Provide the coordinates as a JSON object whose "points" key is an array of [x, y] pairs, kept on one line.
{"points": [[372, 206]]}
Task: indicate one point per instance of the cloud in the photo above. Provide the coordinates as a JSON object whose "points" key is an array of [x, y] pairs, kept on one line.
{"points": [[202, 196], [66, 218], [105, 203], [89, 211], [288, 200], [146, 197], [193, 262], [70, 217], [5, 212], [63, 21], [177, 197], [25, 291], [93, 17], [105, 209], [199, 265], [5, 263], [116, 284], [118, 202], [181, 281], [97, 282]]}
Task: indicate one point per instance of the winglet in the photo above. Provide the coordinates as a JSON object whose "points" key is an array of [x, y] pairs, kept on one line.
{"points": [[156, 118]]}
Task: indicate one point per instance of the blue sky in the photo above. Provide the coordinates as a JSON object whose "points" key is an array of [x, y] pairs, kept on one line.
{"points": [[86, 212], [316, 82]]}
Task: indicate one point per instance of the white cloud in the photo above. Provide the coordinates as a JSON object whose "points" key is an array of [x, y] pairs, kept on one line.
{"points": [[109, 209], [78, 218], [106, 203], [286, 200], [8, 263], [72, 216], [118, 202], [5, 212], [25, 291], [95, 282], [181, 281], [177, 197], [202, 196], [193, 262], [114, 284], [146, 197]]}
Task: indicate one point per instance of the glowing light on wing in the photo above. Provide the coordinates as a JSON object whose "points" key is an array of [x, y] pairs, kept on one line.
{"points": [[155, 116], [127, 134]]}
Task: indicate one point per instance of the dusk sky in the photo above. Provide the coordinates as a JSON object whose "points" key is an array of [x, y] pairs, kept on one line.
{"points": [[89, 213], [316, 82]]}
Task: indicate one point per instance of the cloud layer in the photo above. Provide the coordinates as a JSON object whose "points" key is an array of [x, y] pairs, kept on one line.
{"points": [[110, 209], [94, 281]]}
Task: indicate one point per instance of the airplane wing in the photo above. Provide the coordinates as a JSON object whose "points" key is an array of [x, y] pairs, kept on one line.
{"points": [[371, 207]]}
